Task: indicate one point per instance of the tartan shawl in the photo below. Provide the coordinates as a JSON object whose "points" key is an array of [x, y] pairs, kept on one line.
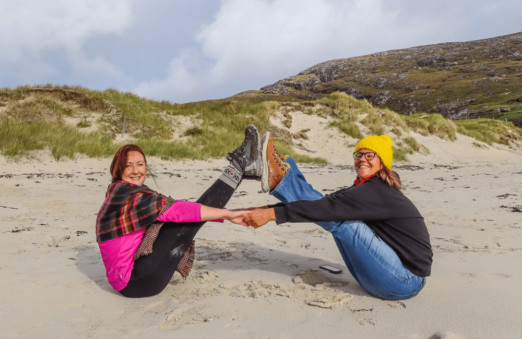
{"points": [[127, 208]]}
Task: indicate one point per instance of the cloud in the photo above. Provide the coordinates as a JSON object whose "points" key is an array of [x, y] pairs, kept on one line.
{"points": [[253, 43], [262, 35], [35, 30], [181, 84]]}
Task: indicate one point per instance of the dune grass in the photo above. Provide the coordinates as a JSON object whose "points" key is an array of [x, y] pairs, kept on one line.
{"points": [[348, 127], [360, 114], [286, 150], [490, 131], [34, 120], [19, 139], [40, 117], [432, 124]]}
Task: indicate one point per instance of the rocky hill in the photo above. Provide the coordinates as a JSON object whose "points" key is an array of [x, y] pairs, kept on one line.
{"points": [[460, 80]]}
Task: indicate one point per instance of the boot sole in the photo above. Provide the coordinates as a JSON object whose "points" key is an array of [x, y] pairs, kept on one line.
{"points": [[264, 175], [255, 172]]}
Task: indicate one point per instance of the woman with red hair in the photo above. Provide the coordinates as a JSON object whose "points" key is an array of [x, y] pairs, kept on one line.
{"points": [[144, 236]]}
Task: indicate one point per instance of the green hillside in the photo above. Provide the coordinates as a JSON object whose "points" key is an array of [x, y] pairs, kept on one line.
{"points": [[460, 80]]}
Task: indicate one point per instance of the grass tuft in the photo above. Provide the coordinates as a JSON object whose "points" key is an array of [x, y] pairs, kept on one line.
{"points": [[348, 127], [434, 124], [490, 131], [18, 139]]}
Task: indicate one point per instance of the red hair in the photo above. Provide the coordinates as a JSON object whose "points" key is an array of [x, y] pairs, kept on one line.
{"points": [[390, 177], [120, 159]]}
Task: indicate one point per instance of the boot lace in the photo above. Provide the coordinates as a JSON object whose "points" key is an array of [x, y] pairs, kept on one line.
{"points": [[280, 161]]}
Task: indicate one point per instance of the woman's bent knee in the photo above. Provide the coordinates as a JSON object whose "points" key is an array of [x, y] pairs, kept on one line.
{"points": [[400, 291]]}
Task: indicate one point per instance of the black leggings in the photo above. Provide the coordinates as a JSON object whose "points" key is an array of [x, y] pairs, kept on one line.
{"points": [[153, 272]]}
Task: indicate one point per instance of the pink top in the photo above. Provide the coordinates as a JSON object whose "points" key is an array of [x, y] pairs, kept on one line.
{"points": [[118, 254]]}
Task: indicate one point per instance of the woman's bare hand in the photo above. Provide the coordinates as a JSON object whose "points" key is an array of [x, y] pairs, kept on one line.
{"points": [[260, 216], [238, 217]]}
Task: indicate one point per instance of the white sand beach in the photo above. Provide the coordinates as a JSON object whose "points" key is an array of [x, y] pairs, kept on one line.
{"points": [[266, 282]]}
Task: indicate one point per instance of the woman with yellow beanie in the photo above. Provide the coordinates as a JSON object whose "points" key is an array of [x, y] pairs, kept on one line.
{"points": [[380, 233]]}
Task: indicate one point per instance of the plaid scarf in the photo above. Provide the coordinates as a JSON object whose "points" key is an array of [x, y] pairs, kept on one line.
{"points": [[127, 208]]}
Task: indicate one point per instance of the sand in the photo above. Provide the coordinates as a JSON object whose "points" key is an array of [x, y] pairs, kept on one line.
{"points": [[266, 282]]}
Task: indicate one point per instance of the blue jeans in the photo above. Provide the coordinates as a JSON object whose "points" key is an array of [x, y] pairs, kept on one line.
{"points": [[373, 263]]}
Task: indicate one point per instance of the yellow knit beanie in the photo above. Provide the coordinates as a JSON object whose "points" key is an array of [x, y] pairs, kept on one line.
{"points": [[380, 144]]}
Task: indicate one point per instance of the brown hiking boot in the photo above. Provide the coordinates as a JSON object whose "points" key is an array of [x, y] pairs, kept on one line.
{"points": [[274, 166]]}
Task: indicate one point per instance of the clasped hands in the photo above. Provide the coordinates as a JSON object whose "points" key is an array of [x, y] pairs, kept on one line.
{"points": [[255, 217]]}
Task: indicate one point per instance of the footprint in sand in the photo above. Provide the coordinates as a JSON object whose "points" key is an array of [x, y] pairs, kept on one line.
{"points": [[313, 278], [322, 294]]}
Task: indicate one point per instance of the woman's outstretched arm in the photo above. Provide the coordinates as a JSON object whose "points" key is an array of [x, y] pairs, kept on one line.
{"points": [[235, 216]]}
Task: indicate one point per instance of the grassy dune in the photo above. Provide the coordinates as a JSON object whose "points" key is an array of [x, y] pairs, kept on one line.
{"points": [[75, 120]]}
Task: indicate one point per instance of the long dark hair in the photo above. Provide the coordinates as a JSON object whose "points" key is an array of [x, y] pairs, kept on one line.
{"points": [[120, 159]]}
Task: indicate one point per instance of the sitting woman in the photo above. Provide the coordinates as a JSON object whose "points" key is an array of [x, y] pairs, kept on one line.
{"points": [[380, 233], [144, 237]]}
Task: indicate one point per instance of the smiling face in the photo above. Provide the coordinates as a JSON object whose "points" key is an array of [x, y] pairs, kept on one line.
{"points": [[135, 170], [366, 168]]}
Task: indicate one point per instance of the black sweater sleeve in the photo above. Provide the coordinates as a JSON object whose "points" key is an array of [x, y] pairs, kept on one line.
{"points": [[372, 201]]}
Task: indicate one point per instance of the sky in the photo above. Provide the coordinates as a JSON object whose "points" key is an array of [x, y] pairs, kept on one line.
{"points": [[193, 50]]}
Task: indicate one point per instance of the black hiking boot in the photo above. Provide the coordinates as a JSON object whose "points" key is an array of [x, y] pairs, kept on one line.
{"points": [[248, 155]]}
